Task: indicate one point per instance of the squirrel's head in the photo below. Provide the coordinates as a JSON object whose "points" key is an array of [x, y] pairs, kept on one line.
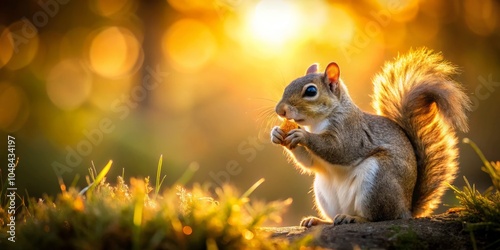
{"points": [[313, 97]]}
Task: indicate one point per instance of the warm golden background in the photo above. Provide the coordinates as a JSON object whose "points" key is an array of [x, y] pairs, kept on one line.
{"points": [[195, 80]]}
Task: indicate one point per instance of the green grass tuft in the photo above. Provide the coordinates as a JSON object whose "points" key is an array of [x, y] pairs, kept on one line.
{"points": [[481, 211]]}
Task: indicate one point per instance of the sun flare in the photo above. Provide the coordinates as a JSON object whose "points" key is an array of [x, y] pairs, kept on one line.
{"points": [[274, 22]]}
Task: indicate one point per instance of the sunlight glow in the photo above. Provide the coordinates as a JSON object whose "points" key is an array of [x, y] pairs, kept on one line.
{"points": [[274, 21], [345, 26]]}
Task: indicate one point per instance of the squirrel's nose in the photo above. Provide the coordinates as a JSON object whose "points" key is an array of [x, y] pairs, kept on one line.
{"points": [[282, 110]]}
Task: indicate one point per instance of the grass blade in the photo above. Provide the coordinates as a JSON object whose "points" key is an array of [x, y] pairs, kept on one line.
{"points": [[99, 178], [158, 173], [252, 188], [487, 165], [186, 176]]}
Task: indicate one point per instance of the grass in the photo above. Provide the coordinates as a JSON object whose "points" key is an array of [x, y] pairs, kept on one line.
{"points": [[138, 216], [481, 211]]}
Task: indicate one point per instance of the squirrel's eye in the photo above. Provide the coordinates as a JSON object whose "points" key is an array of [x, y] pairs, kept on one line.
{"points": [[311, 91]]}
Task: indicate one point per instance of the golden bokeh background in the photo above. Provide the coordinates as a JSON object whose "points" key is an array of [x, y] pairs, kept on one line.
{"points": [[83, 82]]}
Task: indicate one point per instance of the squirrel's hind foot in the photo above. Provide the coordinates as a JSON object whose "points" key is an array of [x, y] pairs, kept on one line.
{"points": [[347, 219], [313, 221], [338, 220]]}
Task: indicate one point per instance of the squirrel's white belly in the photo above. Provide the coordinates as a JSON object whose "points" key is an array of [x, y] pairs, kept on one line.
{"points": [[344, 189]]}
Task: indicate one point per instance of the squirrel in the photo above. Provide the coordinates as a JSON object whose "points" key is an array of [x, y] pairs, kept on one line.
{"points": [[394, 164]]}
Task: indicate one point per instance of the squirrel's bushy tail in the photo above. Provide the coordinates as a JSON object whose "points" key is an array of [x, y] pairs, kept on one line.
{"points": [[416, 91]]}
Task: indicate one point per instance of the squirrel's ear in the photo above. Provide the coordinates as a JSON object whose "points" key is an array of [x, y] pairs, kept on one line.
{"points": [[332, 72], [312, 69]]}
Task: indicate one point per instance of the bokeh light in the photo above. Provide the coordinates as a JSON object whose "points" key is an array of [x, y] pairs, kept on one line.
{"points": [[25, 44], [189, 45], [109, 8], [187, 230], [69, 84], [115, 52], [6, 45], [481, 16], [14, 107], [192, 5]]}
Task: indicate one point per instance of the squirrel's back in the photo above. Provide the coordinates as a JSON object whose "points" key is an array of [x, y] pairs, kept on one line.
{"points": [[417, 92]]}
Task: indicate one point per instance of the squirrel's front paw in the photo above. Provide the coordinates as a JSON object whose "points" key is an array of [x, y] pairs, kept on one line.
{"points": [[277, 135], [296, 137], [313, 221]]}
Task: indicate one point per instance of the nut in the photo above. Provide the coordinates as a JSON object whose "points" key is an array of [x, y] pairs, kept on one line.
{"points": [[288, 125]]}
